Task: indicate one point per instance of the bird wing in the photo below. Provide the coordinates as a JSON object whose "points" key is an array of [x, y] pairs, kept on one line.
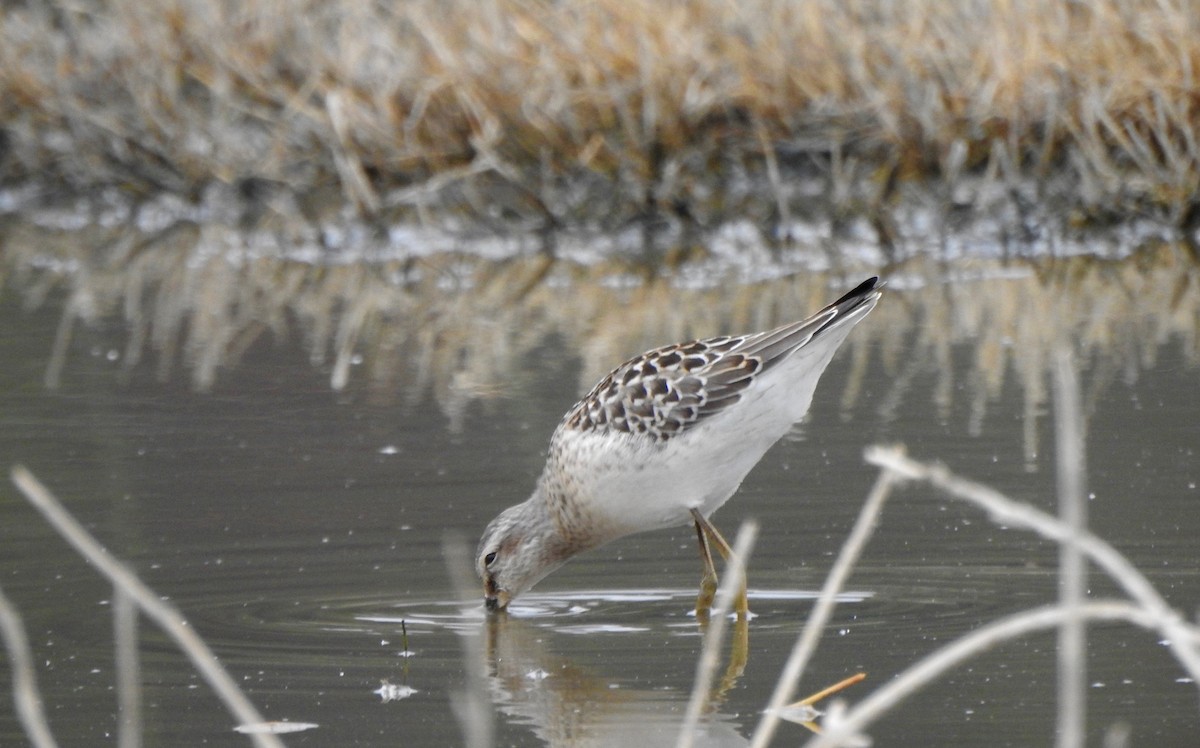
{"points": [[664, 392]]}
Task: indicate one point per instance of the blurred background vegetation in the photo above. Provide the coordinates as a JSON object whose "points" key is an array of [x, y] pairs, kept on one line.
{"points": [[541, 115]]}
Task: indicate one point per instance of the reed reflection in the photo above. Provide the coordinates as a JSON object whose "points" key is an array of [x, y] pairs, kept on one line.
{"points": [[463, 329]]}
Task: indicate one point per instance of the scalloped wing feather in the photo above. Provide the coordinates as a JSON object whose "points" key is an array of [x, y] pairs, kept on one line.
{"points": [[664, 392]]}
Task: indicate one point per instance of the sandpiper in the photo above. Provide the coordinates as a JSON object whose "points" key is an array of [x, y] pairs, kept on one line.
{"points": [[664, 440]]}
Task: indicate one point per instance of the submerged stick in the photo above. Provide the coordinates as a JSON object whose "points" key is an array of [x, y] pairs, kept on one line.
{"points": [[838, 687], [735, 575], [806, 644], [170, 620], [26, 697]]}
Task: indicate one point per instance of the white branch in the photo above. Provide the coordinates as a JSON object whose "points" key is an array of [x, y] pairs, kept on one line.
{"points": [[932, 666], [26, 696], [1003, 510], [1072, 564], [806, 644], [162, 613]]}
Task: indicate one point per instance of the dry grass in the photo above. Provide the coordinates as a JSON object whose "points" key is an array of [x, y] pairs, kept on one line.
{"points": [[548, 114]]}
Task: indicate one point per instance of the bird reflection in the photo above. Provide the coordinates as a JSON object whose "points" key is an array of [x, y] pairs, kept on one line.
{"points": [[566, 704]]}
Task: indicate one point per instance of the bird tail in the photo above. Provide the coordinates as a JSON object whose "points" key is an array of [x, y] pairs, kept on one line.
{"points": [[777, 344]]}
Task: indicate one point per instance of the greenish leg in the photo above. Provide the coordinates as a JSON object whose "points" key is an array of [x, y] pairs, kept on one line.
{"points": [[707, 533], [708, 583]]}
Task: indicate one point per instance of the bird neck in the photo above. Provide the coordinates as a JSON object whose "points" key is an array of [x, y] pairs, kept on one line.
{"points": [[572, 528]]}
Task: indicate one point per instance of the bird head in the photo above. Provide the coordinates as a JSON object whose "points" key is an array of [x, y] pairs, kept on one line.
{"points": [[515, 553]]}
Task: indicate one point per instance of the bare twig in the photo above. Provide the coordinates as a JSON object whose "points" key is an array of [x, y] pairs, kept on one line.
{"points": [[1170, 623], [1072, 565], [170, 620], [828, 691], [735, 575], [26, 696], [929, 668], [129, 682], [806, 644]]}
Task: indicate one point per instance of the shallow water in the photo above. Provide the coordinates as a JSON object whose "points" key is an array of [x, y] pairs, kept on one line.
{"points": [[301, 532]]}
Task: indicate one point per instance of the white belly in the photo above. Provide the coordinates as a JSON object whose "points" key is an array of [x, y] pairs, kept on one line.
{"points": [[632, 485]]}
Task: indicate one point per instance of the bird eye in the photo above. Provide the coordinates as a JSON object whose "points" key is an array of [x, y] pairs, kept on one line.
{"points": [[489, 559]]}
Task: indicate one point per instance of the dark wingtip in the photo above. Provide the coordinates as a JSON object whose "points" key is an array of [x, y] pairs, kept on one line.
{"points": [[862, 289]]}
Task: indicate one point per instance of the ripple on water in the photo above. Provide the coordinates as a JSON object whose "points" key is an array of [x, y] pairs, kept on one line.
{"points": [[934, 602], [609, 611]]}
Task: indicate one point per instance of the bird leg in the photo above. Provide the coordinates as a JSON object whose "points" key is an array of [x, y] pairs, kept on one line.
{"points": [[708, 583], [707, 533]]}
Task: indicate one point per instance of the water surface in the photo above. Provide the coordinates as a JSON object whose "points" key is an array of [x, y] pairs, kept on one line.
{"points": [[297, 527]]}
